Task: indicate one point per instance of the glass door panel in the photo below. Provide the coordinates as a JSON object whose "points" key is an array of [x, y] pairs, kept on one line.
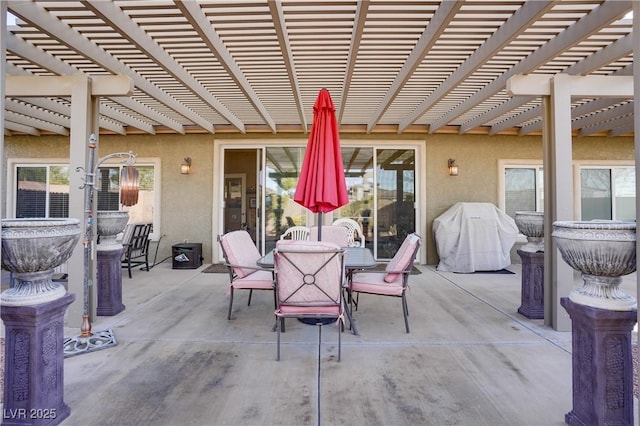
{"points": [[395, 199], [282, 170], [380, 184], [358, 170], [234, 202], [241, 167]]}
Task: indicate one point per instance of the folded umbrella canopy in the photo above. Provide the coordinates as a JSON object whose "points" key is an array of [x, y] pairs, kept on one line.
{"points": [[322, 187]]}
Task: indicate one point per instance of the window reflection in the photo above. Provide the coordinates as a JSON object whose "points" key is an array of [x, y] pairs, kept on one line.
{"points": [[380, 185], [281, 212], [358, 166], [395, 200]]}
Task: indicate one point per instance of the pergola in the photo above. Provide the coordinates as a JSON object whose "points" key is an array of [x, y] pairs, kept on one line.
{"points": [[391, 66]]}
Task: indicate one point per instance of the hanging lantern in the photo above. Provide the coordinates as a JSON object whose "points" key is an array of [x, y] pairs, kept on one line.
{"points": [[128, 186]]}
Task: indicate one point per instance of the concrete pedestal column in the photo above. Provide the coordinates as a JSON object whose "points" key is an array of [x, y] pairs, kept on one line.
{"points": [[34, 361], [109, 281], [602, 365], [532, 294]]}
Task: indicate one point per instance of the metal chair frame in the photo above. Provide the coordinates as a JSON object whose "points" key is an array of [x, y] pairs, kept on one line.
{"points": [[241, 283], [136, 247], [309, 284], [402, 293]]}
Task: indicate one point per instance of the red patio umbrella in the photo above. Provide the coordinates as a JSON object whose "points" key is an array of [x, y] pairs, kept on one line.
{"points": [[322, 187]]}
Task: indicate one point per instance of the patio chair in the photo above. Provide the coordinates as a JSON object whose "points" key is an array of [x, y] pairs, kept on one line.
{"points": [[393, 281], [309, 277], [335, 234], [241, 254], [136, 246], [356, 237], [296, 233]]}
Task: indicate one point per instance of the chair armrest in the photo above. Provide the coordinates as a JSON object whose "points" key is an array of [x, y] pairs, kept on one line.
{"points": [[255, 268], [377, 271]]}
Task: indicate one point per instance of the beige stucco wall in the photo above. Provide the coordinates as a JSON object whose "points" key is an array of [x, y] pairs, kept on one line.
{"points": [[185, 199], [186, 206], [477, 158]]}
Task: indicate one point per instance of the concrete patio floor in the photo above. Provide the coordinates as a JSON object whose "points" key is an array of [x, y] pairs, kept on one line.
{"points": [[470, 358]]}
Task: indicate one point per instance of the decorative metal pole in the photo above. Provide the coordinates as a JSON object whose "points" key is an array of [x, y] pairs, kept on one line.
{"points": [[88, 340]]}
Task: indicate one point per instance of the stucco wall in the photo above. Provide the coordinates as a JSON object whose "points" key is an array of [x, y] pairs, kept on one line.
{"points": [[477, 157], [186, 206], [185, 199]]}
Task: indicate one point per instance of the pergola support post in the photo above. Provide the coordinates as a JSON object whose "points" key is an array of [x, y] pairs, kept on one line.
{"points": [[85, 92], [556, 92]]}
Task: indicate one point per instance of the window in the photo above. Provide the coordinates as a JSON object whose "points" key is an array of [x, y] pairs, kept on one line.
{"points": [[523, 189], [42, 190], [606, 192]]}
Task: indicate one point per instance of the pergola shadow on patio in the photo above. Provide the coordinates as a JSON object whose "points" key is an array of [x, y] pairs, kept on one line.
{"points": [[470, 359]]}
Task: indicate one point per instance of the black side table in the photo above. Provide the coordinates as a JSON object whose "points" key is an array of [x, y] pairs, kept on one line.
{"points": [[187, 255]]}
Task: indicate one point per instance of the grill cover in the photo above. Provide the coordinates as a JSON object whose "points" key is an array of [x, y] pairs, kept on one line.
{"points": [[474, 237]]}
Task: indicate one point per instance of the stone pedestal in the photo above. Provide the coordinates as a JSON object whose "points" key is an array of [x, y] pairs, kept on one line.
{"points": [[34, 361], [532, 294], [602, 365], [109, 281]]}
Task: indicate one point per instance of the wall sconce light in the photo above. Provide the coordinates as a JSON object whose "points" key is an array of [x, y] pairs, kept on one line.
{"points": [[185, 168], [453, 167]]}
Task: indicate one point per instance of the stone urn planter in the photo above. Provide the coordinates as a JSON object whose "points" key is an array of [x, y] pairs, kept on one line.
{"points": [[109, 252], [31, 249], [603, 251], [531, 224], [110, 224]]}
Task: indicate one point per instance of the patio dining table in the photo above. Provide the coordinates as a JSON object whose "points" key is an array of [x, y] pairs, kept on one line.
{"points": [[355, 258]]}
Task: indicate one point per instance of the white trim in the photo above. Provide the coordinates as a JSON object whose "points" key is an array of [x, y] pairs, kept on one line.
{"points": [[12, 178], [511, 164]]}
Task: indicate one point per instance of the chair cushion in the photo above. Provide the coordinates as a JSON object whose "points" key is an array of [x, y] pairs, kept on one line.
{"points": [[403, 257], [306, 245], [240, 250], [294, 311], [258, 280], [334, 233], [374, 282]]}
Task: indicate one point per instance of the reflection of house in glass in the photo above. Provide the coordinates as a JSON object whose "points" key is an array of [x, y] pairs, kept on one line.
{"points": [[380, 182], [33, 201], [43, 191]]}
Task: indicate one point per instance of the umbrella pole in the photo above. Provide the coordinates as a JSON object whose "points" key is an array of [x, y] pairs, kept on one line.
{"points": [[320, 218]]}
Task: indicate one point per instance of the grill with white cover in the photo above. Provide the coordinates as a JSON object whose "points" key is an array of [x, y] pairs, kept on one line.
{"points": [[474, 237]]}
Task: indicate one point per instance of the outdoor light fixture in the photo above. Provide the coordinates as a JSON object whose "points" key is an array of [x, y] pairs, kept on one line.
{"points": [[453, 167], [185, 168]]}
